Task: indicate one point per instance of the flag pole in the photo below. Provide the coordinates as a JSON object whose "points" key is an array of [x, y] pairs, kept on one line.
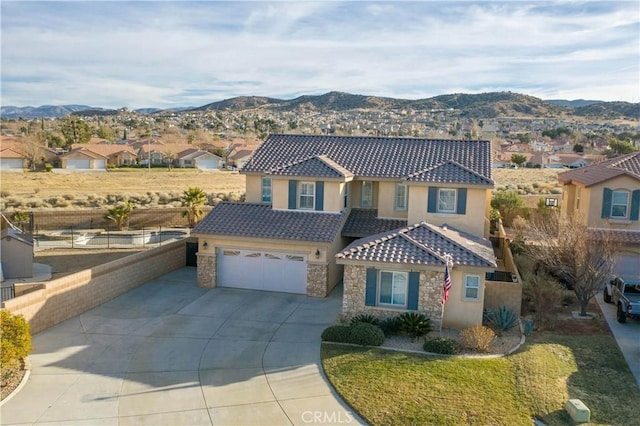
{"points": [[446, 284]]}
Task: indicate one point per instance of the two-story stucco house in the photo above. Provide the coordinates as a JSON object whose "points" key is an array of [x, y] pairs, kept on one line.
{"points": [[606, 195], [378, 213]]}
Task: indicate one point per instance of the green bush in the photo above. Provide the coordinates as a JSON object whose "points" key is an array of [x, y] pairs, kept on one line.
{"points": [[366, 334], [15, 339], [365, 318], [390, 326], [414, 324], [442, 345], [336, 333], [48, 167]]}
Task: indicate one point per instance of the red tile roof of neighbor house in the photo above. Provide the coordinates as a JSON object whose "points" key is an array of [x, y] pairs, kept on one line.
{"points": [[628, 165], [424, 160], [422, 244], [105, 149]]}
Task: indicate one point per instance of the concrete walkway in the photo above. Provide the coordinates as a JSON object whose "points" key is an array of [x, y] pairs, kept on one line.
{"points": [[171, 353], [627, 336]]}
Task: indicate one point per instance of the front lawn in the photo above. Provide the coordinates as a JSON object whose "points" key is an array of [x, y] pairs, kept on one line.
{"points": [[395, 388]]}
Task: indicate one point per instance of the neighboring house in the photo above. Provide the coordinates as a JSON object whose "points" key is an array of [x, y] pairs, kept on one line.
{"points": [[199, 159], [240, 157], [83, 159], [310, 198], [116, 154], [606, 195], [11, 159]]}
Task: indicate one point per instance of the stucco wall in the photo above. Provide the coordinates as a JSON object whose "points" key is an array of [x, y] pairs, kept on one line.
{"points": [[595, 204], [253, 188], [17, 258], [474, 221], [387, 201], [74, 294], [507, 294]]}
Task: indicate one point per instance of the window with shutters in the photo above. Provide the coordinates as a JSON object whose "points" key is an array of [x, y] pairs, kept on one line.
{"points": [[620, 204], [446, 200], [392, 288], [307, 195]]}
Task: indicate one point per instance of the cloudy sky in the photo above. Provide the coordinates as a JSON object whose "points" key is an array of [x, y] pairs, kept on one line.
{"points": [[178, 53]]}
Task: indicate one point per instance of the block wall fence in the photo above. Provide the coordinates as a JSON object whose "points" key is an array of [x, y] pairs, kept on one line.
{"points": [[69, 296]]}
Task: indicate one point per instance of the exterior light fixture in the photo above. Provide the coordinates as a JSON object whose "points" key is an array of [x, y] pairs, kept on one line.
{"points": [[317, 253], [205, 245]]}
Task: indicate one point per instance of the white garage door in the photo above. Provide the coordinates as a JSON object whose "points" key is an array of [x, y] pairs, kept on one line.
{"points": [[627, 266], [208, 164], [77, 164], [261, 270], [10, 164], [99, 164]]}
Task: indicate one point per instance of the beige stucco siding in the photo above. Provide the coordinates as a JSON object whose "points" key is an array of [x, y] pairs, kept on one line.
{"points": [[475, 220], [332, 197], [253, 188], [387, 201], [595, 194], [280, 194], [458, 311]]}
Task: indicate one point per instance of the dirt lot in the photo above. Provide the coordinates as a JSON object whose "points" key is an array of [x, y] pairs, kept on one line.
{"points": [[67, 261], [134, 181]]}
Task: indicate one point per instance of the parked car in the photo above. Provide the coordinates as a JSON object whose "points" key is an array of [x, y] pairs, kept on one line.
{"points": [[625, 295]]}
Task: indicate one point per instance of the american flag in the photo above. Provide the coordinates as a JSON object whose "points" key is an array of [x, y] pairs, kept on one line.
{"points": [[446, 285]]}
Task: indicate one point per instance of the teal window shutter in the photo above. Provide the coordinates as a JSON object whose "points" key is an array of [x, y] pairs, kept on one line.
{"points": [[432, 202], [370, 290], [461, 208], [607, 196], [412, 294], [635, 204], [293, 186], [319, 195]]}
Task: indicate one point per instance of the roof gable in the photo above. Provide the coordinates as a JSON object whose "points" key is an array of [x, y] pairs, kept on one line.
{"points": [[628, 165], [422, 244], [374, 157], [449, 172], [319, 165]]}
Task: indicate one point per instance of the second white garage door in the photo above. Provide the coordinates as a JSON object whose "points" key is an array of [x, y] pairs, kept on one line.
{"points": [[262, 270]]}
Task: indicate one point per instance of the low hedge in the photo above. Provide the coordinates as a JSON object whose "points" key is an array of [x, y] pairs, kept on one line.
{"points": [[360, 334]]}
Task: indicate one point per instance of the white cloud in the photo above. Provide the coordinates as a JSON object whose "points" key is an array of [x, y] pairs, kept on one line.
{"points": [[183, 53]]}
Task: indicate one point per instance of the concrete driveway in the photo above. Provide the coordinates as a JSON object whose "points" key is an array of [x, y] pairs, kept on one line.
{"points": [[172, 353], [627, 336]]}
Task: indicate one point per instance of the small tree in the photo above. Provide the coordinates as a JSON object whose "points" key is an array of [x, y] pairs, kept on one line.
{"points": [[568, 249], [193, 199], [509, 204], [15, 340], [119, 214], [518, 159]]}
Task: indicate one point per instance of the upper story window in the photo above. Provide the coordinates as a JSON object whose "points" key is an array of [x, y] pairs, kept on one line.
{"points": [[446, 200], [366, 194], [472, 287], [401, 196], [307, 195], [266, 190], [392, 288], [620, 204]]}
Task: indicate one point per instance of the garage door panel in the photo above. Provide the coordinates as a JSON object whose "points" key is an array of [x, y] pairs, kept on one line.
{"points": [[257, 270]]}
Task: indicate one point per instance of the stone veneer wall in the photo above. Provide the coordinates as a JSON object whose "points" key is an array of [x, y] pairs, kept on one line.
{"points": [[207, 270], [429, 295], [317, 285], [66, 297], [498, 293]]}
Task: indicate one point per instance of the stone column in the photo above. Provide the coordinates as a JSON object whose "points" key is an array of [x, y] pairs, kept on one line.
{"points": [[207, 270]]}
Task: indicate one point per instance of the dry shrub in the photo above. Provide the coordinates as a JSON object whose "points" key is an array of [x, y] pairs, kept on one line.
{"points": [[5, 194], [69, 197], [541, 294], [477, 338]]}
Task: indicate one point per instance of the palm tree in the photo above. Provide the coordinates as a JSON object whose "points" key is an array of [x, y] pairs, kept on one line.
{"points": [[192, 199], [120, 214]]}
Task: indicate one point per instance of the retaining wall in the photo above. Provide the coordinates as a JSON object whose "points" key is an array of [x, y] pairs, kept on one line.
{"points": [[66, 297]]}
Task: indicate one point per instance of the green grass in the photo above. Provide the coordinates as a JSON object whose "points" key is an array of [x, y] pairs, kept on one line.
{"points": [[395, 388]]}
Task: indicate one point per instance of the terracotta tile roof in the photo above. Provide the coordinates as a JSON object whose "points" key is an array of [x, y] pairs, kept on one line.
{"points": [[422, 244], [317, 166], [85, 151], [105, 149], [620, 236], [381, 157], [364, 222], [261, 221], [600, 172]]}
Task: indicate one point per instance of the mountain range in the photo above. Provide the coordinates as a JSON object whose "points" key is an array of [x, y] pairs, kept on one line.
{"points": [[481, 106]]}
